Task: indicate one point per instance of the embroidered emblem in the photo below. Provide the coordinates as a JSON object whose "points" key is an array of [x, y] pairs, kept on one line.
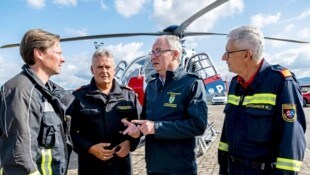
{"points": [[289, 112], [171, 99]]}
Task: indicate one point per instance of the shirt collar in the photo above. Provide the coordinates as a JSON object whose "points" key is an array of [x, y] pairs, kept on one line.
{"points": [[245, 84]]}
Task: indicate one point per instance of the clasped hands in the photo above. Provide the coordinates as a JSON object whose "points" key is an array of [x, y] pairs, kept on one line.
{"points": [[136, 127], [103, 152]]}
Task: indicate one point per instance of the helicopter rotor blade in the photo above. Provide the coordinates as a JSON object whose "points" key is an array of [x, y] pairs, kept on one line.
{"points": [[288, 40], [186, 34], [116, 35], [9, 46], [187, 22]]}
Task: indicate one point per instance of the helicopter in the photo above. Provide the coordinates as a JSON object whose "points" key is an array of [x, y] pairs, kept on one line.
{"points": [[138, 72]]}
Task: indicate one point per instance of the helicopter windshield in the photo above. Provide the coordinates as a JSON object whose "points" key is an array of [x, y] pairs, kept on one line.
{"points": [[201, 64]]}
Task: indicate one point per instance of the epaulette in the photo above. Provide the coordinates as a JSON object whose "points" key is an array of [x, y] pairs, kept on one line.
{"points": [[126, 87], [282, 70], [79, 88]]}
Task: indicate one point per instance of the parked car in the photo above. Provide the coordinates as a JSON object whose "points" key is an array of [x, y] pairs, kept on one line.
{"points": [[305, 89], [219, 99]]}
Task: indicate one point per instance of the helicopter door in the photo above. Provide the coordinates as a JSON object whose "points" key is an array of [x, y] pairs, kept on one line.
{"points": [[202, 65]]}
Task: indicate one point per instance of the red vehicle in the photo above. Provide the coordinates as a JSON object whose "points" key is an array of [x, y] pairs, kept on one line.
{"points": [[305, 89]]}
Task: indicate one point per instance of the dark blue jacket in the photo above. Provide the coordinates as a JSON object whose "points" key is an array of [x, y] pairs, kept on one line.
{"points": [[264, 124], [180, 111], [96, 118]]}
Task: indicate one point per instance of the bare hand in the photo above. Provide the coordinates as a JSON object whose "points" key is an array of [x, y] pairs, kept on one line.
{"points": [[132, 130], [124, 149], [145, 126], [100, 152]]}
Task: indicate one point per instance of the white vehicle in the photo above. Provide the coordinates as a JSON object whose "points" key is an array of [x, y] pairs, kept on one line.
{"points": [[219, 99]]}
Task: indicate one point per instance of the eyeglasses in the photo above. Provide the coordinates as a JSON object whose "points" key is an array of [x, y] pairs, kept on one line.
{"points": [[235, 51], [158, 52]]}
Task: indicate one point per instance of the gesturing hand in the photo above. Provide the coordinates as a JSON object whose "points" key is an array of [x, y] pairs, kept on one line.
{"points": [[131, 129], [145, 126]]}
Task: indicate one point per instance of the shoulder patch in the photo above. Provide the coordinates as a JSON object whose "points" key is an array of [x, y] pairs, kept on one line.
{"points": [[283, 71], [289, 112]]}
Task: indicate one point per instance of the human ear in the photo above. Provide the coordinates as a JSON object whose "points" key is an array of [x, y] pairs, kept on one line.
{"points": [[37, 53], [92, 69]]}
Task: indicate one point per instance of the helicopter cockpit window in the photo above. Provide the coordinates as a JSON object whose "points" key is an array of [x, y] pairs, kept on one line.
{"points": [[134, 68], [201, 64]]}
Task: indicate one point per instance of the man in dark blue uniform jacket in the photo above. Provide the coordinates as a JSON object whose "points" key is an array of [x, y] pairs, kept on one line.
{"points": [[264, 126], [175, 111], [96, 114]]}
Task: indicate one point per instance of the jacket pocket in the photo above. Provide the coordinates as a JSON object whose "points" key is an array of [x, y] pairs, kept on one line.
{"points": [[259, 125], [50, 131]]}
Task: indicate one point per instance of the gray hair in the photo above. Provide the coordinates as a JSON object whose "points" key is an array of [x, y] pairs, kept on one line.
{"points": [[35, 39], [174, 43], [103, 53], [248, 37]]}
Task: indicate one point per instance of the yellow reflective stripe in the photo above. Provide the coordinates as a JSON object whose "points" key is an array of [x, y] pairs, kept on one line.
{"points": [[233, 99], [46, 164], [1, 171], [35, 173], [288, 164], [265, 98], [223, 146]]}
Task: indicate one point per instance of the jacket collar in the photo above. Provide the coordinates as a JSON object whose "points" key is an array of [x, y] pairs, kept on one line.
{"points": [[172, 75], [51, 89], [260, 75], [33, 76], [93, 89]]}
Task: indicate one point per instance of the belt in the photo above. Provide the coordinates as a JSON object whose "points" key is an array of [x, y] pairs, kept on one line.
{"points": [[253, 164]]}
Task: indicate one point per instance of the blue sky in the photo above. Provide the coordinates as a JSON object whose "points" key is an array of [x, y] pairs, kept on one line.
{"points": [[69, 18]]}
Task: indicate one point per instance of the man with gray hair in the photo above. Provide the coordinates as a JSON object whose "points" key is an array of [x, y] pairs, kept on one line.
{"points": [[97, 115], [174, 112], [264, 125]]}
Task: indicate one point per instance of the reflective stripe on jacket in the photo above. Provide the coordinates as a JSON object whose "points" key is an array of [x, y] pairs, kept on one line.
{"points": [[265, 122], [32, 126]]}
